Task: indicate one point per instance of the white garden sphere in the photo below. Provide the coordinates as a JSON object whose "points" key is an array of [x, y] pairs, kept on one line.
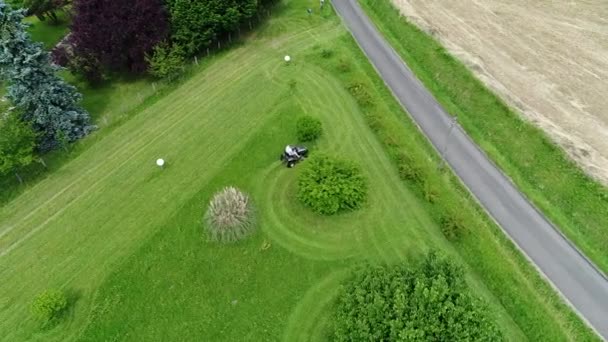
{"points": [[160, 162], [287, 58]]}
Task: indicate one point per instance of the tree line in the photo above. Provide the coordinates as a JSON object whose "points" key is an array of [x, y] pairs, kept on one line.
{"points": [[155, 36], [106, 37], [428, 300], [46, 114]]}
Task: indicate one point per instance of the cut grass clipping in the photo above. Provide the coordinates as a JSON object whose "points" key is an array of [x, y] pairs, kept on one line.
{"points": [[48, 305], [309, 128], [329, 186], [230, 216], [428, 301]]}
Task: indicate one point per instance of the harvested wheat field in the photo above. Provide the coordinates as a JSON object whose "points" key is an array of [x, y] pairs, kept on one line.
{"points": [[548, 59]]}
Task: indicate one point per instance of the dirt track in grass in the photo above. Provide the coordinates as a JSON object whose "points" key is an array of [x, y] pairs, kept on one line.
{"points": [[547, 59]]}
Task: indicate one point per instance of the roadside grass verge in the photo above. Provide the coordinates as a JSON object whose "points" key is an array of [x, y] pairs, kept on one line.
{"points": [[574, 202], [534, 306]]}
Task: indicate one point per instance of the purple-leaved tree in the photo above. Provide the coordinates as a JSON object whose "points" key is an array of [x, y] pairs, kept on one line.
{"points": [[116, 35]]}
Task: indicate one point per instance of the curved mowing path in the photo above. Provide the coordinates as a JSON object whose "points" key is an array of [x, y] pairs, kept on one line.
{"points": [[585, 288]]}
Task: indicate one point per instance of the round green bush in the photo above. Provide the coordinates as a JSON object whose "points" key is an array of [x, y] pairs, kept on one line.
{"points": [[230, 216], [48, 305], [328, 185], [426, 301], [308, 128]]}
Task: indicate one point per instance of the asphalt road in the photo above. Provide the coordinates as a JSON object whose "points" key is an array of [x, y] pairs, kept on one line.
{"points": [[564, 266]]}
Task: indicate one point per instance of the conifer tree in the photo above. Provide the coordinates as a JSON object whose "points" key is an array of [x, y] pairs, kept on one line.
{"points": [[48, 103]]}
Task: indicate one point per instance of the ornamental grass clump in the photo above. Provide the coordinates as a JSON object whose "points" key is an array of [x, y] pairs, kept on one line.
{"points": [[230, 216]]}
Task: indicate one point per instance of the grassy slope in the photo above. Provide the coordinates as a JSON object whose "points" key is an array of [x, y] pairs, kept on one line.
{"points": [[224, 126], [528, 300], [574, 202], [109, 103]]}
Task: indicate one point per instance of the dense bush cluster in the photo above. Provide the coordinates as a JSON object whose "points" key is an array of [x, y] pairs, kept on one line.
{"points": [[17, 142], [108, 36], [48, 305], [428, 301], [230, 216], [197, 24], [308, 128], [361, 94], [453, 224], [328, 185], [166, 62]]}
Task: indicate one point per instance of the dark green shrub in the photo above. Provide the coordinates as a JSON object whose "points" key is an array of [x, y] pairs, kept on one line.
{"points": [[361, 94], [292, 84], [195, 25], [167, 62], [431, 191], [327, 53], [328, 186], [343, 66], [408, 169], [48, 305], [427, 301], [230, 216], [308, 128], [453, 224], [374, 122]]}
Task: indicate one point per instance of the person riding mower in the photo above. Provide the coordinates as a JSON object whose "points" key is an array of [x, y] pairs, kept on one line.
{"points": [[293, 154]]}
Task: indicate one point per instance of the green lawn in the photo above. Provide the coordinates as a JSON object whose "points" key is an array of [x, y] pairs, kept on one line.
{"points": [[110, 104], [577, 204], [125, 240], [47, 32]]}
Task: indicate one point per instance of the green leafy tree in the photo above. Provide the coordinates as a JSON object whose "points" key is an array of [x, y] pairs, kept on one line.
{"points": [[196, 24], [17, 142], [47, 102], [15, 3], [48, 305], [429, 301], [167, 62], [44, 9]]}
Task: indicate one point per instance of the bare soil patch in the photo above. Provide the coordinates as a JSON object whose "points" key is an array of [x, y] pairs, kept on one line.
{"points": [[548, 59]]}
